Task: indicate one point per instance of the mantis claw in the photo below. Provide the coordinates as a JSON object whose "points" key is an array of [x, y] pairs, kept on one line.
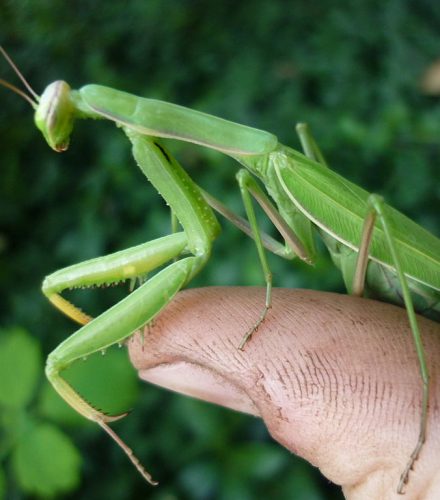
{"points": [[113, 418]]}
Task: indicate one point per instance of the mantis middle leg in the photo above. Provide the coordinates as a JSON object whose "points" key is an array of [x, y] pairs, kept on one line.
{"points": [[378, 210]]}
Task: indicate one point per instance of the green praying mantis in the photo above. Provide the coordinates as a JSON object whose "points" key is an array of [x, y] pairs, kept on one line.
{"points": [[379, 251]]}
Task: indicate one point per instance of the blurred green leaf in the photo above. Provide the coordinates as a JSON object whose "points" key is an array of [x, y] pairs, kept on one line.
{"points": [[20, 367], [237, 488], [199, 479], [202, 419], [46, 462], [257, 460], [108, 382], [303, 482], [2, 484], [52, 406]]}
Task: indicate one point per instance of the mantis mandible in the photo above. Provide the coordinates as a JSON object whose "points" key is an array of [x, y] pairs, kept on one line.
{"points": [[379, 251]]}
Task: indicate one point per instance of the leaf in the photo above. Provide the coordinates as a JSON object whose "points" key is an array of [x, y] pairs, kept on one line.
{"points": [[258, 460], [52, 406], [108, 382], [46, 462], [20, 367], [303, 481], [199, 479], [2, 485]]}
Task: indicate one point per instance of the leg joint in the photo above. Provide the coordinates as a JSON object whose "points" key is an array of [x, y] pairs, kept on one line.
{"points": [[243, 177]]}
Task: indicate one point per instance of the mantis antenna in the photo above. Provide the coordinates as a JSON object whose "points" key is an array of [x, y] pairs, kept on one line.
{"points": [[33, 102]]}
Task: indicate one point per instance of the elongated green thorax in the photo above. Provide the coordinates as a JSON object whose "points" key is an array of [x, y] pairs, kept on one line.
{"points": [[163, 119], [55, 115]]}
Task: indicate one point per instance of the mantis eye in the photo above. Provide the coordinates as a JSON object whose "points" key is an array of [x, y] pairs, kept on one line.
{"points": [[54, 115]]}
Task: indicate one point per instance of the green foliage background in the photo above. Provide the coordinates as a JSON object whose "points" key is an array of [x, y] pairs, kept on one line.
{"points": [[352, 72]]}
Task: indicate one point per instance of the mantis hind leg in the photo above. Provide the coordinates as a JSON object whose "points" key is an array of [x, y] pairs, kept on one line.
{"points": [[378, 209]]}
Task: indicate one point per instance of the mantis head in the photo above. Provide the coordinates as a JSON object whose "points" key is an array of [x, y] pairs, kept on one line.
{"points": [[54, 115], [54, 109]]}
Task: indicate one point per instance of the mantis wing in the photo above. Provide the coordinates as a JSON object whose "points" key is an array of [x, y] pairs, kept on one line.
{"points": [[338, 207]]}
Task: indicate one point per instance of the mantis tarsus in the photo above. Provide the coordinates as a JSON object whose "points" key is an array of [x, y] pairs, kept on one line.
{"points": [[391, 258]]}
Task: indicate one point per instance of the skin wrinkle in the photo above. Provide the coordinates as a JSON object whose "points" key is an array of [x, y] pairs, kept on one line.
{"points": [[207, 355], [298, 382], [333, 383], [331, 390], [371, 409], [266, 381], [340, 385], [284, 379], [325, 375], [297, 391], [390, 413], [353, 381], [361, 412], [304, 382], [308, 374], [211, 350], [315, 371]]}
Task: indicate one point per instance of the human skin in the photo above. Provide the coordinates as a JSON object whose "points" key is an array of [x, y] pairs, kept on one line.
{"points": [[335, 378]]}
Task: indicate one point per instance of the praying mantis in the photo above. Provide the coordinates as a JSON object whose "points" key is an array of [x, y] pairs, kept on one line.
{"points": [[380, 252]]}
